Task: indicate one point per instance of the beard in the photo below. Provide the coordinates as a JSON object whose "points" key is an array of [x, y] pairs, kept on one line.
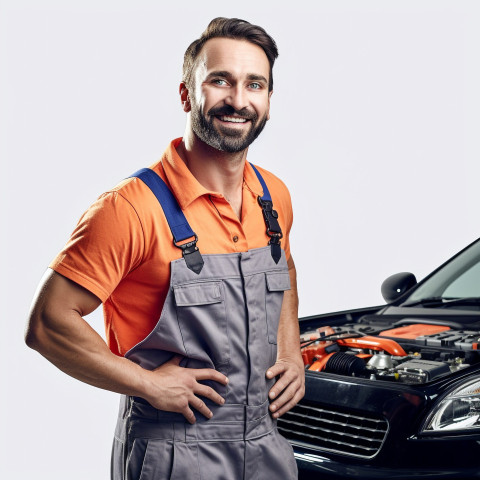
{"points": [[225, 139]]}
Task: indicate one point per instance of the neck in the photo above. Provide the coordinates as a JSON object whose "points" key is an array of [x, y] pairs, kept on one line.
{"points": [[217, 171]]}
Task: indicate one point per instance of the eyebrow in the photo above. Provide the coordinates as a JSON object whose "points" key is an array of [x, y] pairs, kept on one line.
{"points": [[258, 78], [228, 75]]}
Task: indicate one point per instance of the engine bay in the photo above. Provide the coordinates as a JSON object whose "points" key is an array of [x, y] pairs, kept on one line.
{"points": [[410, 353]]}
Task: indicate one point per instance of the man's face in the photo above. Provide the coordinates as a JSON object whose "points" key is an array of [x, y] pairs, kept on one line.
{"points": [[230, 101]]}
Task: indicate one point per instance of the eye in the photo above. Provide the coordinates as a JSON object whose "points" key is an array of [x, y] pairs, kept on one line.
{"points": [[255, 86], [219, 81]]}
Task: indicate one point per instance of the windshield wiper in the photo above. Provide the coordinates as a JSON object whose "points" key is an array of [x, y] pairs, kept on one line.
{"points": [[444, 301]]}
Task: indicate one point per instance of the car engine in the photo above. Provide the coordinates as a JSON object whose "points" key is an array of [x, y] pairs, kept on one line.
{"points": [[412, 353]]}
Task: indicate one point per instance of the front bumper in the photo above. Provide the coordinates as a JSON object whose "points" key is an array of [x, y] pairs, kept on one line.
{"points": [[315, 467], [402, 455]]}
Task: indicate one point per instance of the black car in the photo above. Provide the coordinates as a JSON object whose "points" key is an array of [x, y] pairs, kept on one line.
{"points": [[393, 392]]}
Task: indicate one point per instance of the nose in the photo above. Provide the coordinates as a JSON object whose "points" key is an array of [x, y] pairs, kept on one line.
{"points": [[237, 98]]}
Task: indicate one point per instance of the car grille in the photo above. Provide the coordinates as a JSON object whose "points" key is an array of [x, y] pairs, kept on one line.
{"points": [[325, 428]]}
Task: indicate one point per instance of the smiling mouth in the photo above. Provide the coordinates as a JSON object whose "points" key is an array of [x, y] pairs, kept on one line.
{"points": [[226, 118]]}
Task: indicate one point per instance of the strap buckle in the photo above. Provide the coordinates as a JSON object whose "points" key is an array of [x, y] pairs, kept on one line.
{"points": [[191, 254], [270, 216], [273, 228]]}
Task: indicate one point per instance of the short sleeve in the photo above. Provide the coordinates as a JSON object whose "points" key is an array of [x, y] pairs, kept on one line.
{"points": [[107, 243], [286, 205]]}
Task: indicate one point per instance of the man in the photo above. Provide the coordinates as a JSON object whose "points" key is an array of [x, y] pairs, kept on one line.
{"points": [[200, 344]]}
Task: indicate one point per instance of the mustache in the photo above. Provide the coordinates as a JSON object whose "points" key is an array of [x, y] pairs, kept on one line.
{"points": [[229, 110]]}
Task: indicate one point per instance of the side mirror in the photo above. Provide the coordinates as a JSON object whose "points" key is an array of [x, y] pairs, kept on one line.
{"points": [[396, 285]]}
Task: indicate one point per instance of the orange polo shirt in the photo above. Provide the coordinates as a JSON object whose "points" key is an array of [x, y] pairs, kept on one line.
{"points": [[122, 246]]}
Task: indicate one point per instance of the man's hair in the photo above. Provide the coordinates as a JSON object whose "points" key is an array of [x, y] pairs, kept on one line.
{"points": [[230, 28]]}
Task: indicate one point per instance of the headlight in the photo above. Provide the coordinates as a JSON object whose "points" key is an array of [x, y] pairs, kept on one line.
{"points": [[459, 410]]}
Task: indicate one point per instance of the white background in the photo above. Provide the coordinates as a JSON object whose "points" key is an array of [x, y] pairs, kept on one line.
{"points": [[375, 121]]}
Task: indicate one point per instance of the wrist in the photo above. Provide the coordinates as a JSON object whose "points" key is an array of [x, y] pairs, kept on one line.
{"points": [[295, 357], [139, 380]]}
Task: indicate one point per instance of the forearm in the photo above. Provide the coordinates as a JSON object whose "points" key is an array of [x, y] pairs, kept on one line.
{"points": [[82, 354], [57, 330], [288, 341], [290, 385]]}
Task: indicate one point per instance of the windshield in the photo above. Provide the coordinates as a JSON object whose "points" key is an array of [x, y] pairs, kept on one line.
{"points": [[460, 278]]}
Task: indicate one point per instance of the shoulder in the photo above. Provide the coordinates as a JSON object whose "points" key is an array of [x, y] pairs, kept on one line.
{"points": [[123, 215], [135, 194], [275, 185], [278, 191]]}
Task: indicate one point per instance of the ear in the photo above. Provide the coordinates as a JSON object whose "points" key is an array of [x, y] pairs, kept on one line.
{"points": [[268, 109], [184, 97]]}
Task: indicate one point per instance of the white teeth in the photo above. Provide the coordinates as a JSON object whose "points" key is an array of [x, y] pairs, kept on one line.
{"points": [[233, 119]]}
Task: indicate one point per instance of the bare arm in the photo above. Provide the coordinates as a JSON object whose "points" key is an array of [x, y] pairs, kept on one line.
{"points": [[290, 387], [57, 330]]}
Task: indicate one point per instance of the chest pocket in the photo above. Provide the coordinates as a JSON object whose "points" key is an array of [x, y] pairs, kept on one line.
{"points": [[202, 320], [277, 283]]}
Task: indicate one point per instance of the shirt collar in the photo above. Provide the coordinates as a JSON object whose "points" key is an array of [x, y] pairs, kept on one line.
{"points": [[186, 187], [251, 180]]}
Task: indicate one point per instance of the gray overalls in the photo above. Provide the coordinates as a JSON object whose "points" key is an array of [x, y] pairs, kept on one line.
{"points": [[221, 312]]}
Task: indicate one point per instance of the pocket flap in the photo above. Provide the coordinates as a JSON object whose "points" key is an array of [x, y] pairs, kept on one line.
{"points": [[278, 281], [203, 293]]}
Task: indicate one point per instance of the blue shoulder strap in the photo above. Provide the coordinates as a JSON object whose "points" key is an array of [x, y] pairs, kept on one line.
{"points": [[181, 229], [177, 222], [271, 218], [266, 193]]}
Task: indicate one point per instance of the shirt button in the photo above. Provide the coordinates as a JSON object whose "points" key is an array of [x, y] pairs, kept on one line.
{"points": [[235, 238]]}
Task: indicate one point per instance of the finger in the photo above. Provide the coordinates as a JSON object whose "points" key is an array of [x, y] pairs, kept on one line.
{"points": [[189, 415], [284, 398], [210, 374], [199, 404], [210, 393], [282, 383], [289, 405], [276, 369]]}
